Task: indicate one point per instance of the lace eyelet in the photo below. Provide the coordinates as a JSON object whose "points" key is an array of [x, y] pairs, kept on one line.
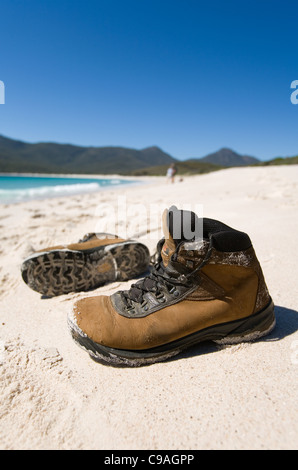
{"points": [[130, 310], [174, 291]]}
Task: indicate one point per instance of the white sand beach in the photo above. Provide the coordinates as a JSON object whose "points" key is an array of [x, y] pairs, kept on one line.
{"points": [[53, 396]]}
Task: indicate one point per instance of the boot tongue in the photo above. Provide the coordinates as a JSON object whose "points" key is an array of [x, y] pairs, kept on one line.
{"points": [[178, 225], [169, 246]]}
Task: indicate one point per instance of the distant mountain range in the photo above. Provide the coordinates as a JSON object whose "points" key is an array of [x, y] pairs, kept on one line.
{"points": [[18, 156], [227, 157], [22, 157]]}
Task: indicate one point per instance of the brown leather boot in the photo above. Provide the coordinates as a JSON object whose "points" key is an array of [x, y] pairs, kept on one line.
{"points": [[210, 289], [94, 260]]}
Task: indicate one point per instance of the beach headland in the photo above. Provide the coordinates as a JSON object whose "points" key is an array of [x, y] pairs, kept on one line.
{"points": [[53, 396]]}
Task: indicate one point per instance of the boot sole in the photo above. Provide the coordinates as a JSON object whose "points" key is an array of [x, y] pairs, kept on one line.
{"points": [[58, 272], [245, 330]]}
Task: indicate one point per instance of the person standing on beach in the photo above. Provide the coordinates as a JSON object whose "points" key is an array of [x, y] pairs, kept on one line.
{"points": [[171, 173]]}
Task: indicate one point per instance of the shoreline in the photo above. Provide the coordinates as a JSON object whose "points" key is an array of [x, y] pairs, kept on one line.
{"points": [[78, 175], [65, 190]]}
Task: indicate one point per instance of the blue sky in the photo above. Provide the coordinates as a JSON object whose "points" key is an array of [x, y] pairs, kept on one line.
{"points": [[188, 76]]}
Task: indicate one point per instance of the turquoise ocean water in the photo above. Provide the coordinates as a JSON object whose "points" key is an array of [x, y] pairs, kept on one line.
{"points": [[25, 188]]}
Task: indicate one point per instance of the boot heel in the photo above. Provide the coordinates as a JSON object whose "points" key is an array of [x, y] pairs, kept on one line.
{"points": [[131, 260], [252, 328]]}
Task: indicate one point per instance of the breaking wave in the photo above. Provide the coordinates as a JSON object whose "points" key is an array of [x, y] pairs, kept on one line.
{"points": [[24, 188], [26, 194]]}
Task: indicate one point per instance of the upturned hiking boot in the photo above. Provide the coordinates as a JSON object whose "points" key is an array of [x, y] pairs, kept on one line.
{"points": [[208, 289], [96, 259]]}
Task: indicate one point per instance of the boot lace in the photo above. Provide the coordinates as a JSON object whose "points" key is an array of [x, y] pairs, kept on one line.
{"points": [[155, 283], [160, 278]]}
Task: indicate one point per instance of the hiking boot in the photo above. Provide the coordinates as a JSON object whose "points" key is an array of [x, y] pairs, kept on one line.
{"points": [[94, 260], [208, 289]]}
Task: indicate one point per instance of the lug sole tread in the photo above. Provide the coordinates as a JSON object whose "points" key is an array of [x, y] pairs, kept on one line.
{"points": [[60, 272]]}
